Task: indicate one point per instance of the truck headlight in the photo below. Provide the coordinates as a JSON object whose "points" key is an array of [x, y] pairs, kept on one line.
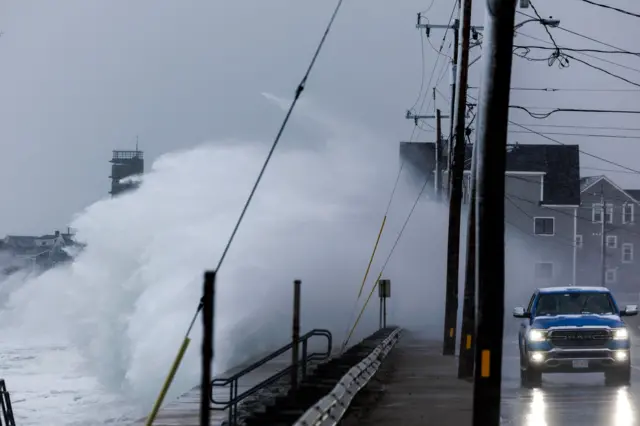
{"points": [[536, 336], [620, 334]]}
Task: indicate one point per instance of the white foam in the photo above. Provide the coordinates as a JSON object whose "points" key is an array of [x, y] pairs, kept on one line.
{"points": [[123, 306]]}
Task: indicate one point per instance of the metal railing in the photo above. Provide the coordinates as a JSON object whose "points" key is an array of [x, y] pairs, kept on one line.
{"points": [[329, 410], [5, 403], [232, 382]]}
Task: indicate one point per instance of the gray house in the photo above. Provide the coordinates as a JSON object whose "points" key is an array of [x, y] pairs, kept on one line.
{"points": [[542, 196], [621, 235], [541, 207]]}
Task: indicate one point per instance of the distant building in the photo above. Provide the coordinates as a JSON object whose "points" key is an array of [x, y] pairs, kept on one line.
{"points": [[622, 236], [42, 252], [125, 164], [541, 205]]}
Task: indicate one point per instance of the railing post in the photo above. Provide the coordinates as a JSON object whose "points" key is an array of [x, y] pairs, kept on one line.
{"points": [[208, 301], [295, 355], [304, 358]]}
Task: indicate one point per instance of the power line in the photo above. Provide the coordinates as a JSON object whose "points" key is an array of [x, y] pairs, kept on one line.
{"points": [[566, 126], [606, 6], [572, 49], [555, 110], [561, 89], [607, 170], [583, 152], [435, 64], [586, 135], [610, 226], [587, 54], [579, 35], [564, 144]]}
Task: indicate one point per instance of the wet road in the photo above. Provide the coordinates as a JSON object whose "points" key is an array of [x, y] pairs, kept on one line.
{"points": [[569, 399]]}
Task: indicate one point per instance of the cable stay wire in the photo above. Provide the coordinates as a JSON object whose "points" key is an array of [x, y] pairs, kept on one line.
{"points": [[375, 248], [386, 262], [300, 88]]}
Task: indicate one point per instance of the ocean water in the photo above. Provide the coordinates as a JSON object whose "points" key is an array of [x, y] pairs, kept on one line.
{"points": [[90, 343]]}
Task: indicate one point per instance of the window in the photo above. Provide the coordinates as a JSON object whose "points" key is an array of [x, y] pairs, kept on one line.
{"points": [[544, 271], [611, 276], [596, 213], [609, 213], [579, 241], [544, 225], [574, 303], [627, 213], [612, 241], [627, 253]]}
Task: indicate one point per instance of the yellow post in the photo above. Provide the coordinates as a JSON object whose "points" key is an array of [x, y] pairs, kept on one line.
{"points": [[167, 382]]}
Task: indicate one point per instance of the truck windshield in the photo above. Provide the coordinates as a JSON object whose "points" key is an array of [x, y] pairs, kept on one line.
{"points": [[574, 304]]}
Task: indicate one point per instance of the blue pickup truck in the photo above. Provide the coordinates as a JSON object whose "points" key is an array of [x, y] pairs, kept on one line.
{"points": [[574, 330]]}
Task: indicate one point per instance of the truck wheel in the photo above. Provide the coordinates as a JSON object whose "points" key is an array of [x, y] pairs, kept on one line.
{"points": [[530, 378]]}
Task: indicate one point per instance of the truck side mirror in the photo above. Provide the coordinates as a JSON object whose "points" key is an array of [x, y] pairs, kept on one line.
{"points": [[629, 311], [520, 312]]}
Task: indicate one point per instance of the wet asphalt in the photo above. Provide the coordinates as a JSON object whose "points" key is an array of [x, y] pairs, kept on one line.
{"points": [[569, 399]]}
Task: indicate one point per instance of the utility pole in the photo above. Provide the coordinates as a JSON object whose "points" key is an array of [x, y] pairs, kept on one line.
{"points": [[603, 239], [454, 72], [456, 176], [467, 338], [438, 154], [491, 130]]}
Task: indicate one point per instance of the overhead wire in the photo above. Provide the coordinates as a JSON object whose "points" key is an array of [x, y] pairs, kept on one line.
{"points": [[435, 65], [585, 126], [541, 116], [543, 135], [586, 135], [583, 53], [616, 9]]}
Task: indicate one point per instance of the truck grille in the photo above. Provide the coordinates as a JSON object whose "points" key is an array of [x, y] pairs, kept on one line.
{"points": [[579, 338]]}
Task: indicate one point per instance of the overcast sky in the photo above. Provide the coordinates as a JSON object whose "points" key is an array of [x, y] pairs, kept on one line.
{"points": [[82, 77]]}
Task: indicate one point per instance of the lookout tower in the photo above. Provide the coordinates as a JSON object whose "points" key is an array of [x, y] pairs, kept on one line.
{"points": [[125, 164]]}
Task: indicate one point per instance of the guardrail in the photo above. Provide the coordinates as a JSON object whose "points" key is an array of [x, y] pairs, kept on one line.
{"points": [[329, 410], [234, 399], [5, 403]]}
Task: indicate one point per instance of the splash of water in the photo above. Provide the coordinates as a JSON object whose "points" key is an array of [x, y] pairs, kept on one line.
{"points": [[127, 299]]}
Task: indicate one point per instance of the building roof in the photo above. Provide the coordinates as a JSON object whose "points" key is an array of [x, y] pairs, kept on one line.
{"points": [[589, 181], [634, 193], [561, 164]]}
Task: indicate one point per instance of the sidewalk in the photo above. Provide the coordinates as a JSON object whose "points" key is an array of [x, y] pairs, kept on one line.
{"points": [[420, 388]]}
